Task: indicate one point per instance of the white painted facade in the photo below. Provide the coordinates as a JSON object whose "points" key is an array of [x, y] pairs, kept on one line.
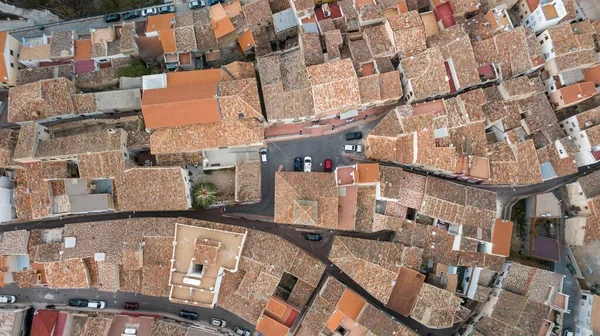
{"points": [[584, 315], [540, 19], [580, 137]]}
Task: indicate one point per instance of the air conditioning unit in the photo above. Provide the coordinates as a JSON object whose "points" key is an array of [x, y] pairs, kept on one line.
{"points": [[326, 10]]}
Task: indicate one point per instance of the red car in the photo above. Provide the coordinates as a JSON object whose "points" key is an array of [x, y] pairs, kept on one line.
{"points": [[130, 305], [328, 165]]}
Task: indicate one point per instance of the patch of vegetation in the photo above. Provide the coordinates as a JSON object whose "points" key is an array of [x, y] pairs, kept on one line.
{"points": [[137, 68], [204, 194]]}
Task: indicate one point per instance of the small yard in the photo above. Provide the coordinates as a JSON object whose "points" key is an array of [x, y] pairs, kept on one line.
{"points": [[518, 241], [588, 260], [224, 179]]}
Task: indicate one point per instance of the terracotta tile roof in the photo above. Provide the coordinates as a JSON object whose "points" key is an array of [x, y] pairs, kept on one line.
{"points": [[92, 142], [371, 264], [40, 100], [310, 46], [454, 44], [185, 19], [524, 170], [205, 37], [406, 290], [464, 6], [247, 181], [407, 188], [426, 73], [380, 323], [501, 237], [227, 133], [14, 242], [220, 22], [378, 40], [144, 181], [301, 5], [185, 38], [574, 60], [521, 87], [333, 42], [71, 273], [435, 307], [39, 52], [409, 33], [8, 143], [567, 38], [258, 12], [359, 51], [31, 193], [334, 85], [157, 23], [370, 12], [62, 44], [293, 190]]}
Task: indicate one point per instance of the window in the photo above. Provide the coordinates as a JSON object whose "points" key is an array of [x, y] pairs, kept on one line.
{"points": [[12, 53], [526, 22], [560, 150], [542, 42], [546, 37], [581, 135], [585, 207], [12, 65]]}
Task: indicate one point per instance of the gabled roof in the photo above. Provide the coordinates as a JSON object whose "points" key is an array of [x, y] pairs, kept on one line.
{"points": [[44, 322]]}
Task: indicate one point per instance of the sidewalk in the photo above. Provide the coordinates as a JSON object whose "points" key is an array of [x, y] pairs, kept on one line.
{"points": [[323, 127], [32, 17]]}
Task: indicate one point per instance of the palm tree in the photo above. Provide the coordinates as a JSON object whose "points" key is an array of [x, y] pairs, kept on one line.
{"points": [[204, 194]]}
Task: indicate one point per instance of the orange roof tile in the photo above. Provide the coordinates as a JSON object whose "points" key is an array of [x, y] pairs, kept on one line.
{"points": [[3, 70], [233, 9], [183, 105], [577, 92], [592, 74], [160, 22], [220, 21], [351, 304], [335, 320], [275, 307], [368, 172], [192, 78], [269, 327], [83, 50], [501, 237], [246, 40], [167, 39]]}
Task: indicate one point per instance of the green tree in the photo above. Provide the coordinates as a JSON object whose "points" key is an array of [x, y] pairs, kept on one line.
{"points": [[204, 194]]}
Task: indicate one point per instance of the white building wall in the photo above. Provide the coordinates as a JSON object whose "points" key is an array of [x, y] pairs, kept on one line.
{"points": [[537, 20], [584, 316]]}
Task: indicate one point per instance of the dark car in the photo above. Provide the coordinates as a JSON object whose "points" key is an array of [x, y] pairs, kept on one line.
{"points": [[166, 9], [130, 305], [78, 302], [298, 164], [213, 2], [131, 15], [328, 165], [354, 136], [188, 315], [313, 236], [112, 17]]}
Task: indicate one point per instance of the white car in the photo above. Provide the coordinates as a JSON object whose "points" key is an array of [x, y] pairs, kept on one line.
{"points": [[8, 299], [263, 155], [307, 164], [353, 148], [97, 304], [218, 322], [149, 12]]}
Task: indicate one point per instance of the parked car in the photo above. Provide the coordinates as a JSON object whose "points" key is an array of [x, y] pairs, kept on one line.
{"points": [[149, 12], [353, 136], [307, 164], [78, 303], [313, 236], [213, 2], [353, 148], [263, 155], [188, 315], [218, 322], [130, 305], [131, 15], [166, 9], [241, 331], [97, 304], [571, 269], [113, 17], [328, 165], [197, 4], [298, 164], [8, 299]]}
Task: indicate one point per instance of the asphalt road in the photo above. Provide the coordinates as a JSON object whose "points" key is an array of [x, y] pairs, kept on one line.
{"points": [[115, 300], [284, 152], [81, 26]]}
